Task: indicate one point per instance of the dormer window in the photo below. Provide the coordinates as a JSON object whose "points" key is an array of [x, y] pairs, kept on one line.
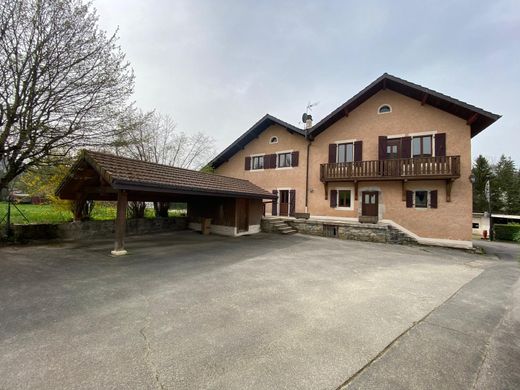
{"points": [[273, 140], [384, 109]]}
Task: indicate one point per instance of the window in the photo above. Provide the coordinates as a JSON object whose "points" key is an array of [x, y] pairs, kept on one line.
{"points": [[476, 225], [284, 160], [257, 162], [421, 199], [344, 198], [393, 147], [384, 109], [273, 140], [422, 146], [345, 153]]}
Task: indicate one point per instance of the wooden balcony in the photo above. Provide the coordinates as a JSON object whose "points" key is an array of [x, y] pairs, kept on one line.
{"points": [[419, 168]]}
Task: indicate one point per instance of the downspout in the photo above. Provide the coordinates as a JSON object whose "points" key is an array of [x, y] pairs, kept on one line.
{"points": [[307, 170]]}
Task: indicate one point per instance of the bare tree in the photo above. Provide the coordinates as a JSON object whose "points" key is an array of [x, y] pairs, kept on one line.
{"points": [[63, 82], [153, 137], [150, 136]]}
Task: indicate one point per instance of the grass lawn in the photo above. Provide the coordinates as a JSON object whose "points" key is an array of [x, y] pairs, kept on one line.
{"points": [[46, 213]]}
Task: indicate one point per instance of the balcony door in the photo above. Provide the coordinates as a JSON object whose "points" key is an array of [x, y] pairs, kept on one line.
{"points": [[370, 204], [393, 149]]}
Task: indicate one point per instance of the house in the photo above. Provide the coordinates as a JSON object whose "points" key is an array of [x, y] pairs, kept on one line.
{"points": [[482, 222], [395, 153]]}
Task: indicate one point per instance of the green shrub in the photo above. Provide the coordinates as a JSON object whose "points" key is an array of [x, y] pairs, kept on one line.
{"points": [[509, 232]]}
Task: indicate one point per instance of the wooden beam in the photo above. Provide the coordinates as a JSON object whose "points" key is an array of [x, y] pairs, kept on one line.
{"points": [[449, 184], [384, 84], [120, 224], [424, 98], [99, 190], [345, 111], [472, 119]]}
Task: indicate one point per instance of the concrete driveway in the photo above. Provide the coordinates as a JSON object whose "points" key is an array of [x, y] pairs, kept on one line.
{"points": [[184, 311]]}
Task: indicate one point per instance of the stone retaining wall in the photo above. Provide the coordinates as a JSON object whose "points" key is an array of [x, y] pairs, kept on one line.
{"points": [[95, 229], [380, 232]]}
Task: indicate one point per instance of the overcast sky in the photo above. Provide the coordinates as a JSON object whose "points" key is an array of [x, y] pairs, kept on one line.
{"points": [[217, 66]]}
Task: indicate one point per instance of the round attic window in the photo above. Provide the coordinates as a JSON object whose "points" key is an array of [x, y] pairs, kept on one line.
{"points": [[273, 140], [384, 109]]}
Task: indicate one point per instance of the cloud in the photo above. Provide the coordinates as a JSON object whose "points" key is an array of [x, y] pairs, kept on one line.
{"points": [[219, 66]]}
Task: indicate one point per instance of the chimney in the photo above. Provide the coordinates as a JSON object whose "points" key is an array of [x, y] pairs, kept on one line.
{"points": [[308, 121]]}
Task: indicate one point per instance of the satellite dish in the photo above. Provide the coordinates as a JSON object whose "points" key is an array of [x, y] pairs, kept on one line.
{"points": [[304, 117]]}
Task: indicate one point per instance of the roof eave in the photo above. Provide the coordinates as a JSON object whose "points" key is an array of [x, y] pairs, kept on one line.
{"points": [[129, 185]]}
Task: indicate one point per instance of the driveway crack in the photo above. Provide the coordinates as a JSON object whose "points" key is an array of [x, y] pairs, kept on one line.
{"points": [[149, 360], [488, 345], [346, 384]]}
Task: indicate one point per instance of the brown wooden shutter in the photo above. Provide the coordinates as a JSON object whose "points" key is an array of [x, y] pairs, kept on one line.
{"points": [[406, 147], [333, 198], [433, 199], [292, 202], [440, 144], [267, 162], [273, 158], [294, 159], [409, 199], [358, 151], [247, 163], [382, 147], [275, 204], [332, 153]]}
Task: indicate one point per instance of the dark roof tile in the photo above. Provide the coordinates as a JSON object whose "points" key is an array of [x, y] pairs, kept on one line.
{"points": [[127, 173]]}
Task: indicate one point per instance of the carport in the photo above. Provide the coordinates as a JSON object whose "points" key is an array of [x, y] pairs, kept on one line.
{"points": [[234, 206]]}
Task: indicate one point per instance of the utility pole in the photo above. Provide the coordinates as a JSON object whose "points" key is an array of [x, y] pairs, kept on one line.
{"points": [[488, 198]]}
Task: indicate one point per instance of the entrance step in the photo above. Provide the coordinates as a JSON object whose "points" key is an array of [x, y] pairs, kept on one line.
{"points": [[279, 226]]}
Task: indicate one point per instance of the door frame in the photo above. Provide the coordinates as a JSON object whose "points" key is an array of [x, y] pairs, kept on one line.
{"points": [[288, 201], [245, 202], [394, 142], [376, 204]]}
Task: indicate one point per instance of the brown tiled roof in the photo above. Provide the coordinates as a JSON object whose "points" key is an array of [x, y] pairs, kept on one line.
{"points": [[130, 174], [476, 117], [266, 121], [481, 118]]}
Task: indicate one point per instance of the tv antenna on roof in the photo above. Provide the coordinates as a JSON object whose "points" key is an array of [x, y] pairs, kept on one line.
{"points": [[306, 115]]}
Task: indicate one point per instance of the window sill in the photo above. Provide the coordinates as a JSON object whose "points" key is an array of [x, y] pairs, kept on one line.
{"points": [[257, 170], [282, 168], [344, 208]]}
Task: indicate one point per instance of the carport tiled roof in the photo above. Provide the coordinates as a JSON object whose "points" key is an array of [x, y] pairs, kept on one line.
{"points": [[129, 174]]}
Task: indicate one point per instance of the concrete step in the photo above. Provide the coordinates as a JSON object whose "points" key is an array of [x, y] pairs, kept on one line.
{"points": [[290, 231], [285, 228], [279, 224]]}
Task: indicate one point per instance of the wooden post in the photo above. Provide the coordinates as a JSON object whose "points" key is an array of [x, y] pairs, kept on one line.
{"points": [[79, 205], [120, 223]]}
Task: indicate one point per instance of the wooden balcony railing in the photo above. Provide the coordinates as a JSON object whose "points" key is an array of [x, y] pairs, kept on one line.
{"points": [[444, 167]]}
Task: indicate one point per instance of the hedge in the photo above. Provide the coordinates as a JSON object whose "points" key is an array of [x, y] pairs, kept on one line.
{"points": [[509, 232]]}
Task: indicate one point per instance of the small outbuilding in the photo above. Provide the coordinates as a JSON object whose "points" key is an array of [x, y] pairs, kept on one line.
{"points": [[231, 206]]}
